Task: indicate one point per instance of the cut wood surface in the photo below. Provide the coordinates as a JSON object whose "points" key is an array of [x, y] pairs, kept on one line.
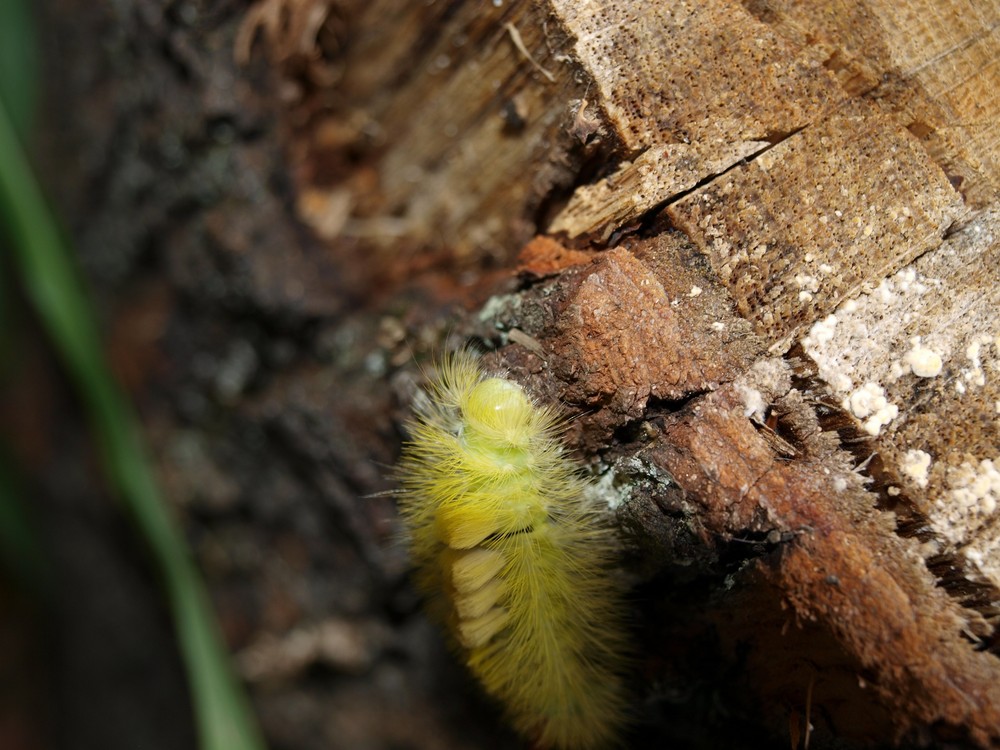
{"points": [[750, 247]]}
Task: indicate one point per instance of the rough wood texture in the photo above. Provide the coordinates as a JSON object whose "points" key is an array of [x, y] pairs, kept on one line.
{"points": [[931, 63], [818, 157], [749, 459], [468, 113], [808, 223]]}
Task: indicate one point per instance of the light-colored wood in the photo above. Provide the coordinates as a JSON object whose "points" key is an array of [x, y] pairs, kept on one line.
{"points": [[470, 108], [886, 131]]}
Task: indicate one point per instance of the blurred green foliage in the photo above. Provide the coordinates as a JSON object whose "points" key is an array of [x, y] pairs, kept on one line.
{"points": [[41, 259]]}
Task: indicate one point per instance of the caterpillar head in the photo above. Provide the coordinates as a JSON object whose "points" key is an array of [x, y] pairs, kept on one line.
{"points": [[500, 410]]}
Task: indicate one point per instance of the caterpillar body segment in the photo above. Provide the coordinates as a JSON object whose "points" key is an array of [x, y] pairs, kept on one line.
{"points": [[512, 558]]}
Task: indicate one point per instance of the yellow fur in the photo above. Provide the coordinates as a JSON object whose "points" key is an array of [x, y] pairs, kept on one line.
{"points": [[512, 558]]}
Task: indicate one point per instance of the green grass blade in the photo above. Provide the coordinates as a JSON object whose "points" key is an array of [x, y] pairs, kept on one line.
{"points": [[57, 293]]}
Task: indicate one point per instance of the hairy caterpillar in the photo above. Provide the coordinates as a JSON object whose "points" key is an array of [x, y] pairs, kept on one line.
{"points": [[512, 558]]}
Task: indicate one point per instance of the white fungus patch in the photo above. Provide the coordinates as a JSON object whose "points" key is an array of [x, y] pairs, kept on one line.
{"points": [[807, 283], [762, 385], [822, 332], [868, 403], [754, 404], [853, 348], [976, 488], [607, 491], [915, 465], [850, 345], [974, 374], [923, 361], [964, 514]]}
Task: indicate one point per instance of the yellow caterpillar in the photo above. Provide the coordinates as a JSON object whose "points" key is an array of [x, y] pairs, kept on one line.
{"points": [[513, 559]]}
